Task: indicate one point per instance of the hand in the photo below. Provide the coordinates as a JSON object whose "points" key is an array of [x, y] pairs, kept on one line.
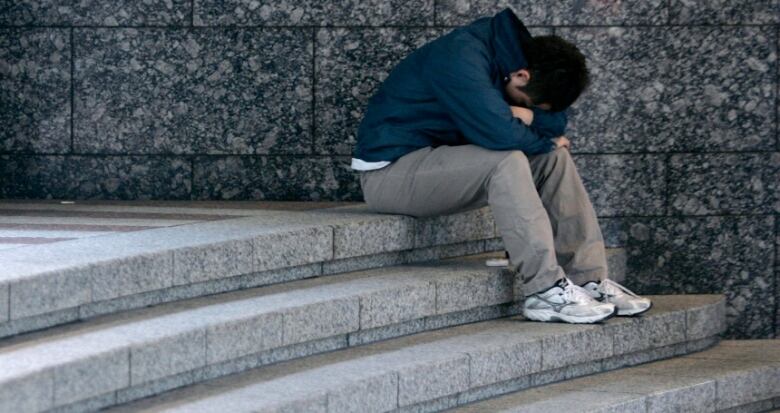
{"points": [[525, 115], [562, 141]]}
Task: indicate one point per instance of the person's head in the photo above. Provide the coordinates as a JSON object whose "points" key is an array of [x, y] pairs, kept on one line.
{"points": [[555, 77]]}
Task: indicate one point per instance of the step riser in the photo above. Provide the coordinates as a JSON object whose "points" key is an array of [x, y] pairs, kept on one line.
{"points": [[87, 311], [502, 366]]}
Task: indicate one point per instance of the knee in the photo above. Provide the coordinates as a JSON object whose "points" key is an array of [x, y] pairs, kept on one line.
{"points": [[515, 160]]}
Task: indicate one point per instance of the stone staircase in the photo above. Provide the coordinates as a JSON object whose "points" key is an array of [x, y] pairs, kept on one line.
{"points": [[339, 309]]}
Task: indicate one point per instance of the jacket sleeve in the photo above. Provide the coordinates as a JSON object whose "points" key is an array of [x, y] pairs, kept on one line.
{"points": [[459, 78], [549, 124]]}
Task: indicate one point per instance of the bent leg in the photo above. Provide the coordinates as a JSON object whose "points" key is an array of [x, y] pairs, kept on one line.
{"points": [[579, 243], [449, 179]]}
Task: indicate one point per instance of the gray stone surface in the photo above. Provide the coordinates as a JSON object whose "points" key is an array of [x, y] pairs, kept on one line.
{"points": [[696, 255], [630, 68], [94, 376], [5, 297], [47, 293], [476, 224], [113, 177], [474, 289], [213, 261], [444, 375], [568, 12], [132, 275], [635, 334], [239, 337], [30, 394], [237, 177], [725, 183], [35, 90], [724, 12], [624, 184], [310, 12], [319, 320], [373, 235], [413, 300], [239, 91], [168, 356], [350, 65], [292, 247], [114, 13]]}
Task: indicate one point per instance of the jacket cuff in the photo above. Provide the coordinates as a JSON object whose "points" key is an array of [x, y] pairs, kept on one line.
{"points": [[548, 124]]}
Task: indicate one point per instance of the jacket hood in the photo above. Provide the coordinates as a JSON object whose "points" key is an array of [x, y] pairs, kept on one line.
{"points": [[509, 34]]}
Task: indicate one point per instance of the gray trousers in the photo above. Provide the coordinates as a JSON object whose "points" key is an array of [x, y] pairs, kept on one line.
{"points": [[541, 208]]}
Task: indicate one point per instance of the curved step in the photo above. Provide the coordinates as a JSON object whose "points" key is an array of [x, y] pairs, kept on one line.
{"points": [[52, 284], [455, 365], [732, 376]]}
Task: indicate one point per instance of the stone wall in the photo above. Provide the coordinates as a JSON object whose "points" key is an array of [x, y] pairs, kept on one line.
{"points": [[676, 140]]}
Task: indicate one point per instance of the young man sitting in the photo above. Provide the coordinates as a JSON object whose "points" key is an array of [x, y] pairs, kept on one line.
{"points": [[475, 118]]}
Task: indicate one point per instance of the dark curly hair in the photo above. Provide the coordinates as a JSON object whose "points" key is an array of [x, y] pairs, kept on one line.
{"points": [[558, 71]]}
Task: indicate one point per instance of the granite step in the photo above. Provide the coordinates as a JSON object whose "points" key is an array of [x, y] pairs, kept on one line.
{"points": [[734, 376], [51, 284], [443, 368]]}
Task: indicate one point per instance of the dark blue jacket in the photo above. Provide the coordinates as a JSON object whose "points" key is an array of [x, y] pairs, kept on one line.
{"points": [[451, 92]]}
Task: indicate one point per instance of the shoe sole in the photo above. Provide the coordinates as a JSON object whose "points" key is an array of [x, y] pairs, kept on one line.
{"points": [[634, 312], [549, 315]]}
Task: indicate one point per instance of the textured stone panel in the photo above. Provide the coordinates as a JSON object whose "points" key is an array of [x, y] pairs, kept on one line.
{"points": [[313, 12], [475, 224], [50, 292], [724, 12], [292, 247], [624, 184], [239, 338], [566, 12], [320, 320], [410, 301], [726, 254], [213, 261], [80, 177], [216, 91], [34, 89], [168, 356], [98, 13], [724, 183], [275, 178], [130, 275], [680, 88], [372, 236], [350, 65], [94, 376]]}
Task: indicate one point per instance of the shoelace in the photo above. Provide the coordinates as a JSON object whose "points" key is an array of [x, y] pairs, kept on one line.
{"points": [[611, 287], [575, 293]]}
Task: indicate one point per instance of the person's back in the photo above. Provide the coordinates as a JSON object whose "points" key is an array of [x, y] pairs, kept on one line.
{"points": [[416, 107]]}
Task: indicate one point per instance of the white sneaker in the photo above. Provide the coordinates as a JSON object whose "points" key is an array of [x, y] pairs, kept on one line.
{"points": [[566, 301], [625, 300]]}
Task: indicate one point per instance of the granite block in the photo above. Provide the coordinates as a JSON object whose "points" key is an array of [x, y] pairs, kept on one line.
{"points": [[724, 12], [350, 264], [34, 88], [351, 63], [90, 13], [616, 263], [130, 275], [568, 12], [630, 68], [322, 319], [563, 373], [468, 316], [206, 91], [240, 337], [34, 393], [37, 322], [748, 350], [651, 331], [5, 299], [496, 389], [554, 399], [375, 392], [472, 225], [509, 359], [389, 331], [212, 261], [443, 251], [114, 177], [373, 235], [90, 377], [624, 184], [48, 292], [291, 247], [408, 301], [684, 255], [724, 183], [495, 244], [313, 13], [442, 376], [169, 355], [615, 231], [739, 388], [561, 350], [258, 177], [706, 321], [476, 289]]}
